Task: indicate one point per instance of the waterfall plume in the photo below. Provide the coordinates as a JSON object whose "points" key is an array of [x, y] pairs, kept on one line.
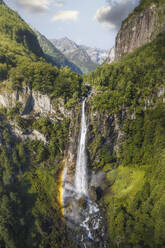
{"points": [[81, 176]]}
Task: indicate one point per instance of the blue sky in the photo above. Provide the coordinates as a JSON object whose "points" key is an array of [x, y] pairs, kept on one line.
{"points": [[89, 22]]}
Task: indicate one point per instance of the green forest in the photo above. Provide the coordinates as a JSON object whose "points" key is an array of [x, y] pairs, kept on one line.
{"points": [[30, 214], [129, 91]]}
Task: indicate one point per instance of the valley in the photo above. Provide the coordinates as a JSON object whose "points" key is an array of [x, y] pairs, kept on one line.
{"points": [[82, 136]]}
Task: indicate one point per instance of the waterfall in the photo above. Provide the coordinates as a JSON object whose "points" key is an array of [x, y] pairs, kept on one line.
{"points": [[81, 177], [82, 214]]}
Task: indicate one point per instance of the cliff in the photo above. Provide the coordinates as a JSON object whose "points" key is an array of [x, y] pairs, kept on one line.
{"points": [[126, 140], [141, 27], [111, 56]]}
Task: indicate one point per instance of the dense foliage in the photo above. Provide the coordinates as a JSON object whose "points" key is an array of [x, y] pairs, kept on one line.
{"points": [[30, 214], [15, 32], [46, 78], [131, 96], [22, 61], [132, 81]]}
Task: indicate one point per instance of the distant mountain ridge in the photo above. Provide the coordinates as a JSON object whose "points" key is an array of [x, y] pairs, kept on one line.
{"points": [[97, 55], [55, 56], [86, 58]]}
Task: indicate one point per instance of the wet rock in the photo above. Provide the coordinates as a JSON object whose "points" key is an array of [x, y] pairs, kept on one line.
{"points": [[82, 202], [98, 184], [92, 194]]}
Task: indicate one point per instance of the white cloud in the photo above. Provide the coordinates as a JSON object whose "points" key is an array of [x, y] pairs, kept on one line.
{"points": [[59, 4], [112, 15], [66, 15], [34, 6]]}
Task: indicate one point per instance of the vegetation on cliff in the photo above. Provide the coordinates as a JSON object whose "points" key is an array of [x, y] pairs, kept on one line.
{"points": [[22, 61], [131, 92], [30, 214], [143, 4]]}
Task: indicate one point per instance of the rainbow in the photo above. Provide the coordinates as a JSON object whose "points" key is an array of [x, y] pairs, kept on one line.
{"points": [[60, 191]]}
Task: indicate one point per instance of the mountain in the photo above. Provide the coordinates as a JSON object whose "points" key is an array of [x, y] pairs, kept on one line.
{"points": [[141, 27], [79, 55], [97, 55], [151, 21], [53, 54], [37, 104], [126, 116]]}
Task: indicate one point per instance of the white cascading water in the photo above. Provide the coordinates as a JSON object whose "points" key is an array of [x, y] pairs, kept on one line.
{"points": [[88, 216], [81, 176]]}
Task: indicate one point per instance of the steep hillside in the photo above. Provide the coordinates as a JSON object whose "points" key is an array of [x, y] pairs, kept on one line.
{"points": [[37, 104], [141, 27], [127, 140], [76, 54], [16, 35], [54, 55]]}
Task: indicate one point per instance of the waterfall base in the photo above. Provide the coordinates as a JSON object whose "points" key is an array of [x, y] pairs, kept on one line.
{"points": [[83, 216]]}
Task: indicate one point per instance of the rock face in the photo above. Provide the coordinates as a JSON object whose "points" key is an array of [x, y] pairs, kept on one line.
{"points": [[111, 56], [139, 29], [33, 101], [32, 135], [104, 137], [33, 104]]}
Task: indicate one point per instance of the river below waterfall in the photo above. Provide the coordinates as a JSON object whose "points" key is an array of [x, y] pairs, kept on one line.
{"points": [[82, 214]]}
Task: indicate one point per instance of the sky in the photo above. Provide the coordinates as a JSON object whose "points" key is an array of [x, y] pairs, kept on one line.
{"points": [[93, 23]]}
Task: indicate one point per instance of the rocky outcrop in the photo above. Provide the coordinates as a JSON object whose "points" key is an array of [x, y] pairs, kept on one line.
{"points": [[32, 104], [111, 56], [30, 100], [34, 101], [139, 29], [34, 135]]}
